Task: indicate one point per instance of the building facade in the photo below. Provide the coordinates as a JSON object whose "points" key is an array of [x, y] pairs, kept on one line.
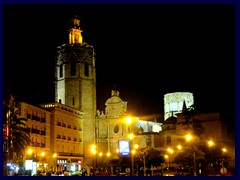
{"points": [[38, 153]]}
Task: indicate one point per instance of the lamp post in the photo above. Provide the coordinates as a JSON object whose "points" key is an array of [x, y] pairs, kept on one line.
{"points": [[43, 155], [131, 154], [100, 159], [108, 155], [188, 138], [167, 158], [223, 168], [211, 144], [128, 120], [93, 151], [55, 162]]}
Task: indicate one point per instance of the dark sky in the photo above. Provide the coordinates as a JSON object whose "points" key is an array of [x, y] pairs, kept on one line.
{"points": [[145, 51]]}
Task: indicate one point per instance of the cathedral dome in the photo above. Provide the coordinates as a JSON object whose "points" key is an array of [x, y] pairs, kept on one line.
{"points": [[170, 120]]}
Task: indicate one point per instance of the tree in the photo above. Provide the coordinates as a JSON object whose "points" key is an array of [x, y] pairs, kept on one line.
{"points": [[16, 137], [149, 157]]}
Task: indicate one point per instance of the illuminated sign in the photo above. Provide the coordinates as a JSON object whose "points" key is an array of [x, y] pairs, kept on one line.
{"points": [[29, 164], [124, 147]]}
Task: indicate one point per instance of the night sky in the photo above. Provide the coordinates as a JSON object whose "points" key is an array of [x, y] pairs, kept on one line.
{"points": [[145, 51]]}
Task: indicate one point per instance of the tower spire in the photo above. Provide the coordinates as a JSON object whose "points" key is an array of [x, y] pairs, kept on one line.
{"points": [[184, 107], [75, 36]]}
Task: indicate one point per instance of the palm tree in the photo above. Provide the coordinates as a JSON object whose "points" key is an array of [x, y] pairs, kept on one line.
{"points": [[16, 137]]}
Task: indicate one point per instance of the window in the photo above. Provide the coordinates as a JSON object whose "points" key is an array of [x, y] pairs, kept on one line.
{"points": [[61, 70], [73, 69], [169, 140], [73, 100], [86, 69], [116, 129]]}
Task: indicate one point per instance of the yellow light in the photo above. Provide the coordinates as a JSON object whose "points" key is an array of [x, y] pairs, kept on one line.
{"points": [[128, 120], [170, 150], [210, 143], [117, 150], [29, 151], [93, 151], [136, 146], [224, 149], [179, 147], [55, 155], [100, 154], [43, 154], [133, 151], [108, 154], [131, 136], [93, 146], [188, 137], [166, 156]]}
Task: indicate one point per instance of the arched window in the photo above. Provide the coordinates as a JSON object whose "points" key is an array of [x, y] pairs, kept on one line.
{"points": [[169, 140], [116, 129]]}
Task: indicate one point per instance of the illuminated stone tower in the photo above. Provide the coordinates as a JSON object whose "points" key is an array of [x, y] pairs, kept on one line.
{"points": [[75, 80]]}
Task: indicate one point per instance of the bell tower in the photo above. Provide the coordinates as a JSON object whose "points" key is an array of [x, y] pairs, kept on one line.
{"points": [[75, 80]]}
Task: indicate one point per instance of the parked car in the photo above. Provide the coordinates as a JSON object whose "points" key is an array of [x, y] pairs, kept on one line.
{"points": [[171, 171]]}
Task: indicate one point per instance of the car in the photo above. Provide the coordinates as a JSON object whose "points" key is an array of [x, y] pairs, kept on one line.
{"points": [[169, 171], [184, 171]]}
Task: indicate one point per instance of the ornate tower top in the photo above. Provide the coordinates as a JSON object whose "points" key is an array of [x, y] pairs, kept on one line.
{"points": [[75, 36]]}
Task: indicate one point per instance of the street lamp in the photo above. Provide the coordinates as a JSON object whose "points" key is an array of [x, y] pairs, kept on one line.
{"points": [[131, 154], [135, 146], [223, 168], [189, 138], [211, 144], [55, 162], [170, 151], [128, 120], [93, 151], [43, 155], [167, 158], [100, 159]]}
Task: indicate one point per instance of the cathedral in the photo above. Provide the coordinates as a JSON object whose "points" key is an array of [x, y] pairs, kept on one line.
{"points": [[71, 126]]}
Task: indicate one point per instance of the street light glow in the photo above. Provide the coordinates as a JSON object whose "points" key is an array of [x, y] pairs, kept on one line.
{"points": [[135, 146], [170, 150], [29, 151], [188, 137], [128, 120], [179, 147], [210, 143], [55, 155], [43, 154], [131, 136]]}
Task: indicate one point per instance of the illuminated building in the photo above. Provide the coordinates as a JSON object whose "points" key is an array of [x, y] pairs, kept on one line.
{"points": [[173, 102]]}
